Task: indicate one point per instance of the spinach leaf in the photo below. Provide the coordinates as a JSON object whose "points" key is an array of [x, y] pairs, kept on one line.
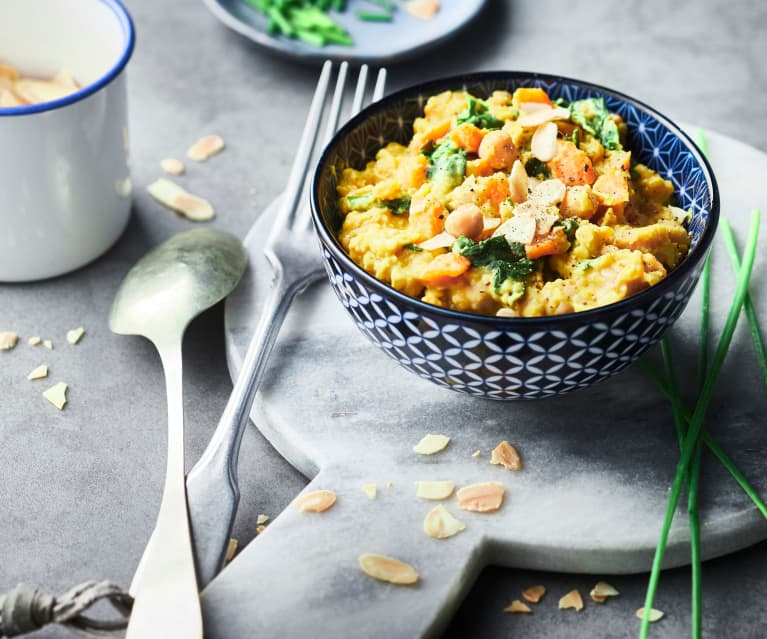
{"points": [[413, 247], [592, 116], [476, 113], [570, 226], [447, 165], [363, 201], [506, 260], [398, 206], [534, 167], [360, 202]]}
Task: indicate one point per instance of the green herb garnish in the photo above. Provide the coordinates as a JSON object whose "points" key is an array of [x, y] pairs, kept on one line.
{"points": [[506, 260], [373, 16], [478, 114], [398, 206], [592, 116], [413, 247], [447, 165], [305, 20], [570, 226], [536, 168], [360, 201]]}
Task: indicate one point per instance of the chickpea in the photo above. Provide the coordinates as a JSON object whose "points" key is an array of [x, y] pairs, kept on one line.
{"points": [[466, 220], [498, 150]]}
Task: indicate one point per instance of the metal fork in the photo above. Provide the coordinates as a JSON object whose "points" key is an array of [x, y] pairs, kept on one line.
{"points": [[212, 490]]}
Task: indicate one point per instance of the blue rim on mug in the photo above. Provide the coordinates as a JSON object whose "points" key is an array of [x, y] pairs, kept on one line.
{"points": [[122, 15]]}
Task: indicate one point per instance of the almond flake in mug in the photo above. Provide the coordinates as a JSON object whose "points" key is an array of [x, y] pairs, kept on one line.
{"points": [[388, 569]]}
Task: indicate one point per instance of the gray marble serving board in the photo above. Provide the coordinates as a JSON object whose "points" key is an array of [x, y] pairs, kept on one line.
{"points": [[598, 463]]}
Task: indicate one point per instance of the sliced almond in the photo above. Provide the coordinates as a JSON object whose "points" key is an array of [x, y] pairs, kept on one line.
{"points": [[544, 142], [533, 107], [544, 219], [64, 78], [481, 498], [431, 444], [172, 166], [388, 569], [440, 524], [504, 454], [57, 395], [476, 453], [534, 594], [600, 599], [506, 312], [8, 340], [680, 215], [48, 344], [490, 224], [520, 228], [434, 490], [37, 91], [41, 372], [8, 72], [34, 341], [8, 99], [260, 529], [75, 335], [205, 147], [389, 484], [518, 182], [177, 199], [317, 501], [541, 116], [262, 519], [231, 549], [370, 490], [517, 606], [572, 600], [601, 591], [548, 192], [655, 615], [441, 240], [422, 9]]}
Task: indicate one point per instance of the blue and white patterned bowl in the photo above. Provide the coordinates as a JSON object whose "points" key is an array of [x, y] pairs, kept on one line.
{"points": [[514, 358]]}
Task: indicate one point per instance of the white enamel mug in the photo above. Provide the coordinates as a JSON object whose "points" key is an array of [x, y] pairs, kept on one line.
{"points": [[64, 171]]}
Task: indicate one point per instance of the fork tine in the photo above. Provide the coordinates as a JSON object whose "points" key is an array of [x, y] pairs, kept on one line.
{"points": [[335, 106], [359, 93], [378, 91], [300, 166]]}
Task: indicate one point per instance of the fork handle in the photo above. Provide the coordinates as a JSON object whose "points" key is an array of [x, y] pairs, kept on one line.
{"points": [[212, 488]]}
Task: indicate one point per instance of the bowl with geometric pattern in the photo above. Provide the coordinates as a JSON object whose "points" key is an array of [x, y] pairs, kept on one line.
{"points": [[511, 358]]}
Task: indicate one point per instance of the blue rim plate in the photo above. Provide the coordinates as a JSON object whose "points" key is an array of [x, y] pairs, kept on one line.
{"points": [[382, 42]]}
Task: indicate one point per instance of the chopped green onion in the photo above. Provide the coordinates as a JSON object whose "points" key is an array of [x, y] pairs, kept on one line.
{"points": [[372, 16], [384, 4]]}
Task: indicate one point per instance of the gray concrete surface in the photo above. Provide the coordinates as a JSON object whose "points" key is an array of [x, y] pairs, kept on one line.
{"points": [[81, 488]]}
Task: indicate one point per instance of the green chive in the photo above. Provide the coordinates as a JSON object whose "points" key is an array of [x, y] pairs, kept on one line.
{"points": [[370, 16], [696, 422], [280, 21], [700, 140], [384, 4]]}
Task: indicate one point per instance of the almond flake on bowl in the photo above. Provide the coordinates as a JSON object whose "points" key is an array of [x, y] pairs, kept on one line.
{"points": [[177, 199], [231, 549], [34, 341], [57, 395], [172, 166], [317, 501], [388, 569], [75, 335], [440, 524], [504, 454], [481, 498], [544, 142], [534, 594], [548, 192], [536, 118], [439, 241], [8, 340], [262, 519], [655, 615], [520, 228], [434, 490], [517, 606], [518, 182], [205, 147], [48, 344], [572, 600], [422, 9], [602, 591], [41, 372], [431, 444], [370, 490]]}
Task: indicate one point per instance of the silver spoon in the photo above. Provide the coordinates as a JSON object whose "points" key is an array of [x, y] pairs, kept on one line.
{"points": [[158, 298]]}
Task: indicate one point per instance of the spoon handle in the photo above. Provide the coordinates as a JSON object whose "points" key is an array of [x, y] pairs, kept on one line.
{"points": [[166, 599], [212, 488]]}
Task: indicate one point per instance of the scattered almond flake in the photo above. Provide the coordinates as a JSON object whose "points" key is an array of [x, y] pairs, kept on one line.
{"points": [[370, 490], [57, 395], [422, 9], [481, 498], [431, 444], [177, 199], [520, 228], [504, 454], [34, 341], [205, 148], [260, 529], [572, 600], [124, 187], [262, 519], [548, 192], [506, 312], [434, 490], [441, 240], [490, 224], [48, 344], [231, 549], [602, 591], [534, 594], [517, 606], [544, 142], [544, 219], [518, 182], [75, 335], [173, 166], [317, 501], [41, 372], [655, 615], [440, 524], [477, 453], [8, 340], [536, 118], [387, 569], [389, 484]]}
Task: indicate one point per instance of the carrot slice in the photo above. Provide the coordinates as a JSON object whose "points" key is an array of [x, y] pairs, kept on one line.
{"points": [[444, 269], [427, 218], [437, 131], [571, 165], [611, 188], [552, 243], [467, 136], [531, 94]]}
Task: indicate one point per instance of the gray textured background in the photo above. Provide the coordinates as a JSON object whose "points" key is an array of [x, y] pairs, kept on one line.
{"points": [[81, 488]]}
